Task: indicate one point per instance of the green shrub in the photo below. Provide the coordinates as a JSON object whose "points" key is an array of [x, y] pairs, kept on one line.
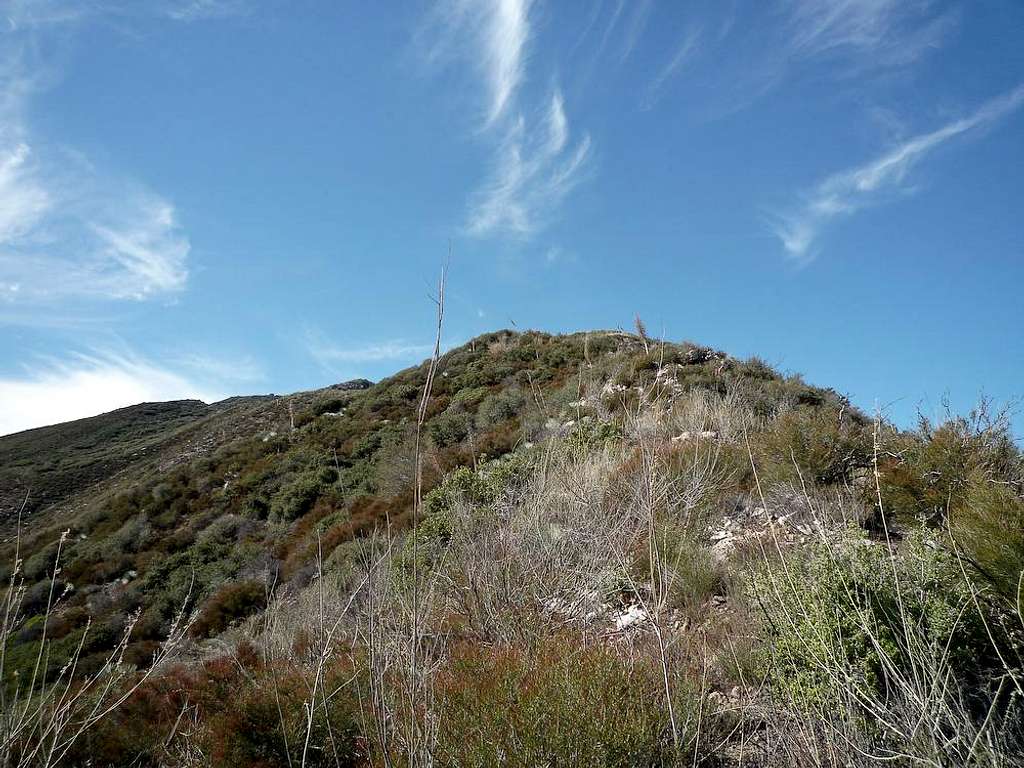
{"points": [[41, 564], [217, 555], [928, 472], [448, 429], [839, 618], [823, 445], [481, 489], [989, 527], [467, 399], [589, 432], [499, 407], [297, 496]]}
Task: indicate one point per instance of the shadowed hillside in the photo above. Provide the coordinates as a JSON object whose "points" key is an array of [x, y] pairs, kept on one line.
{"points": [[56, 462]]}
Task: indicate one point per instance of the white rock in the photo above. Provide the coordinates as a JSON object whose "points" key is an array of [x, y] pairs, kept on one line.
{"points": [[629, 617], [721, 550], [682, 437]]}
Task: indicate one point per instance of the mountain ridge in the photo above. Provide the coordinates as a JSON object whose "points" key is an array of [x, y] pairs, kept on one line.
{"points": [[598, 491]]}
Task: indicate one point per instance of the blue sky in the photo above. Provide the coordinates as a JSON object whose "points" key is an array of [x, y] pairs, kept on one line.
{"points": [[200, 198]]}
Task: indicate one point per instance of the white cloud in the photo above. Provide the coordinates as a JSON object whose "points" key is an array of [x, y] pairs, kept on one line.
{"points": [[613, 21], [222, 369], [636, 26], [532, 175], [66, 228], [492, 34], [28, 14], [556, 254], [751, 53], [882, 32], [24, 14], [149, 251], [686, 49], [23, 200], [507, 32], [88, 385], [333, 357], [534, 168], [845, 193], [201, 10], [104, 240]]}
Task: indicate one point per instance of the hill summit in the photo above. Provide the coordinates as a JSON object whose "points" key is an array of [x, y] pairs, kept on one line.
{"points": [[585, 549]]}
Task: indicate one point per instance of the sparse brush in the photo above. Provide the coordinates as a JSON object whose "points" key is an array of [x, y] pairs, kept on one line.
{"points": [[48, 707], [878, 652]]}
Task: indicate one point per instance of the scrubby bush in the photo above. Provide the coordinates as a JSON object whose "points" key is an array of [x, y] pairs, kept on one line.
{"points": [[853, 604], [244, 713], [449, 429], [499, 407], [589, 432], [929, 471], [988, 527], [40, 564], [229, 604], [297, 496], [881, 639], [823, 445], [560, 705]]}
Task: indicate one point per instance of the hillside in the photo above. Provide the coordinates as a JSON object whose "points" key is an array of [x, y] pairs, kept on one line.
{"points": [[52, 465], [634, 499]]}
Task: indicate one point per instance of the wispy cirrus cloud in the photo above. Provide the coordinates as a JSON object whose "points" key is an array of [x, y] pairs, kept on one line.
{"points": [[534, 172], [883, 32], [68, 229], [51, 391], [64, 235], [201, 10], [22, 14], [336, 357], [845, 193], [641, 14], [221, 369], [745, 56], [493, 35], [685, 51], [23, 199], [534, 165], [25, 14]]}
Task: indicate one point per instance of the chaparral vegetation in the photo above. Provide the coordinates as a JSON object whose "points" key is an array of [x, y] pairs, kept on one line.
{"points": [[597, 549]]}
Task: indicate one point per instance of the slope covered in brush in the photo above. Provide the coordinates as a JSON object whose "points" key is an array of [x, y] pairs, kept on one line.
{"points": [[40, 467], [627, 553], [240, 498]]}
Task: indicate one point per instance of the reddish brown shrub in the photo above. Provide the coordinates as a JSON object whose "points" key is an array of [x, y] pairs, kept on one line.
{"points": [[228, 604]]}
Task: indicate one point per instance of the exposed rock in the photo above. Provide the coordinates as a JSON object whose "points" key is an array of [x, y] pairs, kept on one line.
{"points": [[352, 385], [688, 435], [629, 617]]}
